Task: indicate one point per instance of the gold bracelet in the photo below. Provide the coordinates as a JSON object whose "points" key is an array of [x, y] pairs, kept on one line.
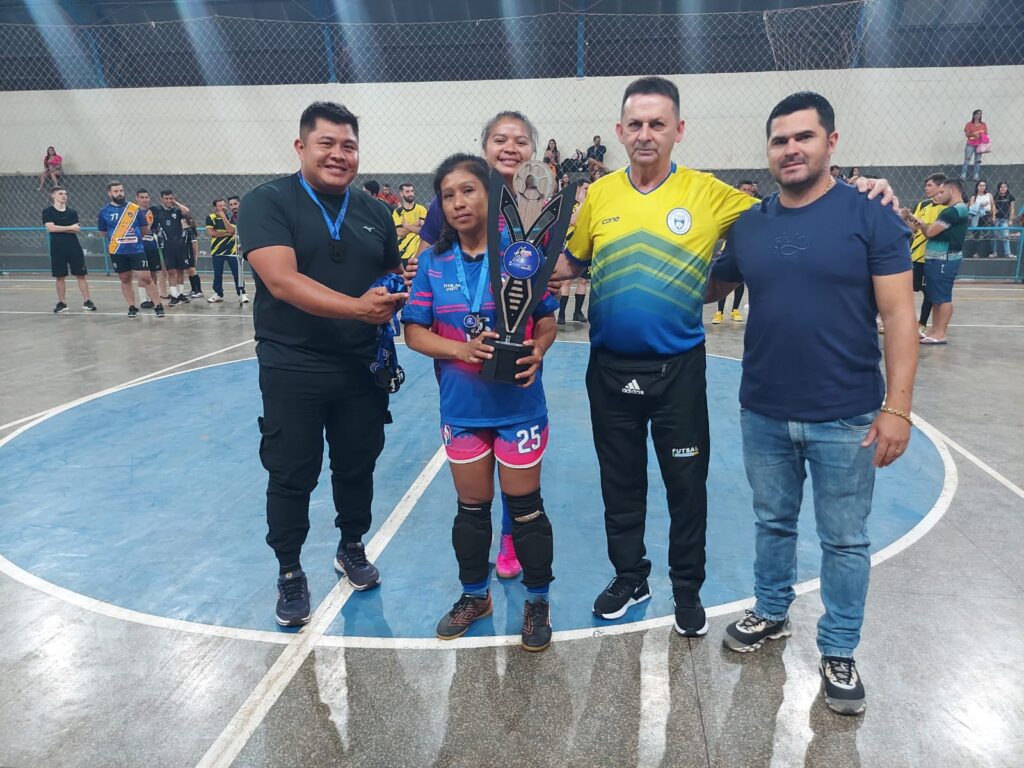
{"points": [[897, 412]]}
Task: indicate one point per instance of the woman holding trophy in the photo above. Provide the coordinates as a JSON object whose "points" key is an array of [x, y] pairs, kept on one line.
{"points": [[451, 318]]}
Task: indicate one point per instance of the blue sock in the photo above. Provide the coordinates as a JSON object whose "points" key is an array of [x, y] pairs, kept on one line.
{"points": [[475, 590], [506, 518], [537, 594]]}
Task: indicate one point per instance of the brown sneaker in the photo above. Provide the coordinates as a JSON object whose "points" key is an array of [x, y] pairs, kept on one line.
{"points": [[466, 610]]}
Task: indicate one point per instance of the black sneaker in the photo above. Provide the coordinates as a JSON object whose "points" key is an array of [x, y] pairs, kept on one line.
{"points": [[61, 307], [183, 298], [351, 561], [195, 294], [158, 310], [147, 304], [749, 633], [133, 311], [293, 609], [88, 306], [619, 595], [175, 301], [844, 692], [536, 625], [466, 610], [691, 621], [561, 320], [579, 317]]}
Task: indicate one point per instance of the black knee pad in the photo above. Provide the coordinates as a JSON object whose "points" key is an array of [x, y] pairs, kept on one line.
{"points": [[531, 534], [471, 538]]}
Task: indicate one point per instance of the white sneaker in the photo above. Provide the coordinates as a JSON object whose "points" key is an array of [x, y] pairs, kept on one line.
{"points": [[243, 299], [215, 298]]}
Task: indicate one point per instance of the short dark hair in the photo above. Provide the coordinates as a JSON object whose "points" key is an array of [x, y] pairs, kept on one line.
{"points": [[218, 200], [372, 187], [801, 100], [958, 183], [112, 184], [137, 191], [57, 189], [330, 111], [460, 160], [233, 197], [938, 178], [405, 184], [652, 85], [745, 181], [165, 192]]}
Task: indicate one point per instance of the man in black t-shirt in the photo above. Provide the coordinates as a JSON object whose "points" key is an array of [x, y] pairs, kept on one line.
{"points": [[65, 250], [316, 247], [168, 216], [152, 248]]}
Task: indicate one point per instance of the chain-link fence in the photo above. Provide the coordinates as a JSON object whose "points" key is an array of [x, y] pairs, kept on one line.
{"points": [[209, 107]]}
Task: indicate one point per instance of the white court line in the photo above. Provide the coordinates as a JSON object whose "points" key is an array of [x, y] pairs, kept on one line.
{"points": [[109, 390], [254, 709], [995, 475]]}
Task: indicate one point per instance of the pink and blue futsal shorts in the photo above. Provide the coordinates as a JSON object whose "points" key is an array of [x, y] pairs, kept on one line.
{"points": [[519, 446]]}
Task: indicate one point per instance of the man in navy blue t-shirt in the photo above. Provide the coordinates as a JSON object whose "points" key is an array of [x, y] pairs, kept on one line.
{"points": [[812, 393]]}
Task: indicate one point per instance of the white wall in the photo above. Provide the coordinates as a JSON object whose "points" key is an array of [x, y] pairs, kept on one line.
{"points": [[884, 116]]}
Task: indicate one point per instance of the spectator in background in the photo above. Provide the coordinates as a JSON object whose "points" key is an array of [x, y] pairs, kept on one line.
{"points": [[980, 208], [925, 214], [746, 187], [234, 202], [975, 131], [1004, 215], [943, 256], [552, 156], [65, 251], [408, 218], [836, 172], [388, 196], [190, 238], [220, 226], [152, 250], [583, 281], [372, 188], [595, 157], [53, 168], [854, 174]]}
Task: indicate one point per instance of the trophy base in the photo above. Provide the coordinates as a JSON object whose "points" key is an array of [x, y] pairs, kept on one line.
{"points": [[503, 367]]}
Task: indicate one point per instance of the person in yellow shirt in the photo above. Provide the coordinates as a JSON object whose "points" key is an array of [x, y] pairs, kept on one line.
{"points": [[927, 211], [408, 218]]}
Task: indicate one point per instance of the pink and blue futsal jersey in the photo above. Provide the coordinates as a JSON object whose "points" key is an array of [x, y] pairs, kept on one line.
{"points": [[439, 302]]}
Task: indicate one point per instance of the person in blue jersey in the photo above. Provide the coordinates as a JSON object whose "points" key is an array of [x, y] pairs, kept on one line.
{"points": [[449, 318], [812, 396], [508, 140], [124, 226]]}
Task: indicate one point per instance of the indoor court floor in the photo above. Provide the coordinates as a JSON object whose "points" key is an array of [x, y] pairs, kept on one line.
{"points": [[137, 593]]}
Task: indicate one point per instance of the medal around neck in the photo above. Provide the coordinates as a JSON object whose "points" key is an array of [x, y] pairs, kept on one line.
{"points": [[537, 224]]}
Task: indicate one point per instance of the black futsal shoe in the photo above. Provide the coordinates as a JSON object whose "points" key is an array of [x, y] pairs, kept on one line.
{"points": [[466, 610], [147, 304], [844, 691], [536, 625], [691, 621], [749, 633], [133, 311], [619, 595], [61, 307], [351, 561], [158, 310], [293, 608], [88, 306]]}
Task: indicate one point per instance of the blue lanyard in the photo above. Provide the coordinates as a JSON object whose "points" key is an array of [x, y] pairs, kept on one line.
{"points": [[481, 283], [334, 227]]}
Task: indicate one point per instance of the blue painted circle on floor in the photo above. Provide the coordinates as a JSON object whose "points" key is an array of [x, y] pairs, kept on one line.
{"points": [[153, 498]]}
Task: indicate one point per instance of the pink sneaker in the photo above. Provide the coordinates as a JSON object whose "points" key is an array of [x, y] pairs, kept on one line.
{"points": [[507, 565]]}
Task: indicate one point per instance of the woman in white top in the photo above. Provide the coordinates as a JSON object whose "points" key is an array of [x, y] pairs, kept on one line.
{"points": [[981, 207]]}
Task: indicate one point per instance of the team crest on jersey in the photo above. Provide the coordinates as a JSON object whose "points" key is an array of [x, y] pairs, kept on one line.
{"points": [[679, 221]]}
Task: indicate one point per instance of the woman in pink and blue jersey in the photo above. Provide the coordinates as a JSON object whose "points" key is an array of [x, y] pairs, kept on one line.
{"points": [[449, 318]]}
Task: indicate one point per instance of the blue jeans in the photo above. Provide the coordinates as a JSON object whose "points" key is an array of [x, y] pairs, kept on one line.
{"points": [[218, 273], [1002, 239], [776, 455], [969, 154]]}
